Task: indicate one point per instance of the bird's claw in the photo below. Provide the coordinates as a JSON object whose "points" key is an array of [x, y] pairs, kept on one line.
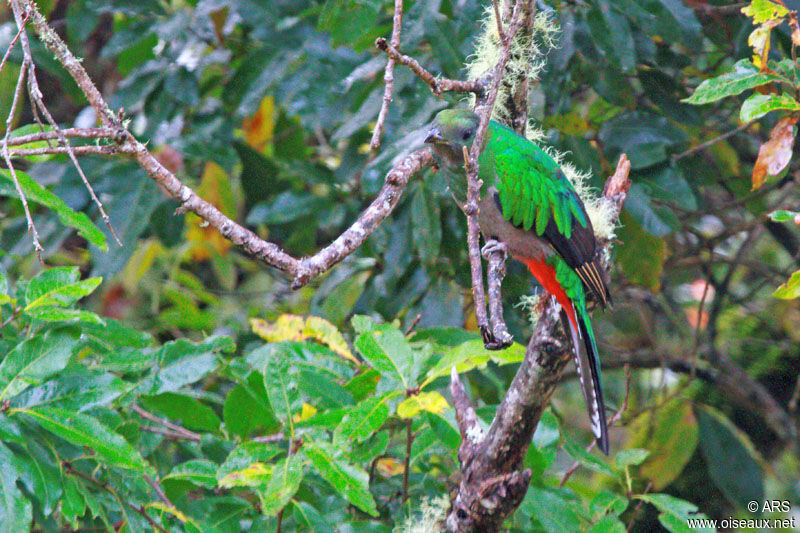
{"points": [[492, 342], [491, 246]]}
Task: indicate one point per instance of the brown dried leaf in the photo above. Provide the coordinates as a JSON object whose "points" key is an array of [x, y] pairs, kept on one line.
{"points": [[775, 154]]}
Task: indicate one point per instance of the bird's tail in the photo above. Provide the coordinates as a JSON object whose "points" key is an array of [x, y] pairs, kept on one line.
{"points": [[576, 321], [588, 363]]}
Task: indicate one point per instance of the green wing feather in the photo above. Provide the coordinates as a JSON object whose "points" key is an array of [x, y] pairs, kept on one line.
{"points": [[531, 187]]}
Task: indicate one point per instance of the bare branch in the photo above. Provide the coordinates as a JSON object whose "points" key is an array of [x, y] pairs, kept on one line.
{"points": [[437, 85], [37, 246], [388, 76], [37, 102], [357, 233]]}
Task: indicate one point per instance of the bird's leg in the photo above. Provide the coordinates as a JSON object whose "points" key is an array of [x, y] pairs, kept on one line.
{"points": [[495, 254]]}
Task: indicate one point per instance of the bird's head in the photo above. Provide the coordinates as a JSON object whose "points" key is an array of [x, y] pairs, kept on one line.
{"points": [[452, 129]]}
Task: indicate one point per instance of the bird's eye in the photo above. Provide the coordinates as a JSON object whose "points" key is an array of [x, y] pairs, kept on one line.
{"points": [[467, 134]]}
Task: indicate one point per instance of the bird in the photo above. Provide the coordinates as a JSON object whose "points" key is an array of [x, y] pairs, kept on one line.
{"points": [[532, 209]]}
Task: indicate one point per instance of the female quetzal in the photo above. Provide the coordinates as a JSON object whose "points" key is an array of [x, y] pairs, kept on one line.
{"points": [[528, 205]]}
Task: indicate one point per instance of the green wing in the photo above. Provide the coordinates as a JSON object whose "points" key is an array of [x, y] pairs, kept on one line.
{"points": [[531, 186]]}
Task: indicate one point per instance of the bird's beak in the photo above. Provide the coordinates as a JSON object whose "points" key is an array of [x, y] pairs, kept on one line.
{"points": [[434, 136]]}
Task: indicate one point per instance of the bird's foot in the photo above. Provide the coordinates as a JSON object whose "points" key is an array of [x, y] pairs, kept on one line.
{"points": [[492, 246], [495, 342]]}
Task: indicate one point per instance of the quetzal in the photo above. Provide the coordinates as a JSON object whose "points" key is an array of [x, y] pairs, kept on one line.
{"points": [[529, 205]]}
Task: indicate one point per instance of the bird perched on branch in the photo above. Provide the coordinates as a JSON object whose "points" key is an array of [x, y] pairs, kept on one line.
{"points": [[529, 206]]}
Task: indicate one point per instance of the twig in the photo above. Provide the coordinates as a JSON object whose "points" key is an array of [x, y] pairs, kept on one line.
{"points": [[82, 133], [36, 100], [388, 76], [437, 85], [710, 142], [170, 434], [407, 458], [269, 438], [159, 491], [13, 41], [185, 433], [106, 487], [37, 246]]}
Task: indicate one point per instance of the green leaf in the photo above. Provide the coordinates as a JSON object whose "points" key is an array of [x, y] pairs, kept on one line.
{"points": [[387, 351], [200, 472], [790, 289], [238, 470], [590, 461], [28, 129], [427, 226], [608, 524], [553, 509], [309, 519], [670, 433], [470, 355], [730, 458], [36, 193], [38, 472], [247, 408], [15, 509], [765, 11], [364, 419], [188, 411], [745, 75], [281, 385], [55, 314], [348, 480], [640, 269], [34, 360], [283, 483], [606, 502], [84, 430], [674, 512], [782, 215], [632, 457], [77, 391], [182, 362], [759, 105]]}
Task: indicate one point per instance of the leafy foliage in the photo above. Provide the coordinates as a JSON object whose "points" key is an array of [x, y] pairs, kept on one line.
{"points": [[176, 365]]}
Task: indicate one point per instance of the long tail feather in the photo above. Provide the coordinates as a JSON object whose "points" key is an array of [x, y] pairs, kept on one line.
{"points": [[588, 364]]}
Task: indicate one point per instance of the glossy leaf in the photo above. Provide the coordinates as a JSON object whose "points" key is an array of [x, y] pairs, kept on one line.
{"points": [[744, 76], [36, 193], [730, 458], [759, 105], [34, 360], [348, 480], [15, 508], [84, 430]]}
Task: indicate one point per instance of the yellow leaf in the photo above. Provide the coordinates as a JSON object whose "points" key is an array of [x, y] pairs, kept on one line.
{"points": [[323, 331], [765, 11], [775, 154], [216, 188], [286, 328], [759, 41], [389, 466], [305, 413], [433, 402], [251, 476], [260, 126], [140, 263], [174, 511], [294, 328]]}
